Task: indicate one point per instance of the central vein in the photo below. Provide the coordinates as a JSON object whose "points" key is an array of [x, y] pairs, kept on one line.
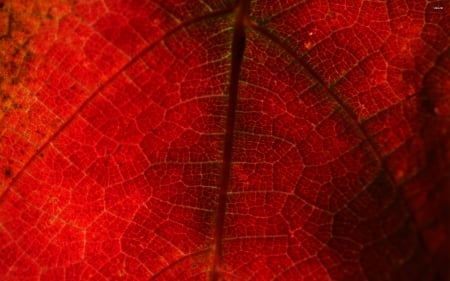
{"points": [[237, 53]]}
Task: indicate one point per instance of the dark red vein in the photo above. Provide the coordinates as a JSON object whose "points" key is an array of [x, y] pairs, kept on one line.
{"points": [[177, 262], [237, 53], [346, 109]]}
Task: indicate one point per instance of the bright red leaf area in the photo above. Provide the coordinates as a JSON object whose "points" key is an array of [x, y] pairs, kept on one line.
{"points": [[225, 140]]}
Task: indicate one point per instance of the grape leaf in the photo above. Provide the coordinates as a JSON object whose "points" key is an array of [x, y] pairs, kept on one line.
{"points": [[224, 140]]}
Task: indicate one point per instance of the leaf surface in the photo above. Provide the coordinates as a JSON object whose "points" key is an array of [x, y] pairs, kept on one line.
{"points": [[224, 140]]}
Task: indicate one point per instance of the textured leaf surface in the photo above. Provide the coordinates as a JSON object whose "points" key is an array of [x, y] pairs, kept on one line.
{"points": [[224, 140]]}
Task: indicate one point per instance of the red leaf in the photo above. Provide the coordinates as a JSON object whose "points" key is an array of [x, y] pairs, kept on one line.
{"points": [[213, 140]]}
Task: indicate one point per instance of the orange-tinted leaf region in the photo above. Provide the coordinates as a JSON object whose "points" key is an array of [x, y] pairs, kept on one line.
{"points": [[224, 140]]}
